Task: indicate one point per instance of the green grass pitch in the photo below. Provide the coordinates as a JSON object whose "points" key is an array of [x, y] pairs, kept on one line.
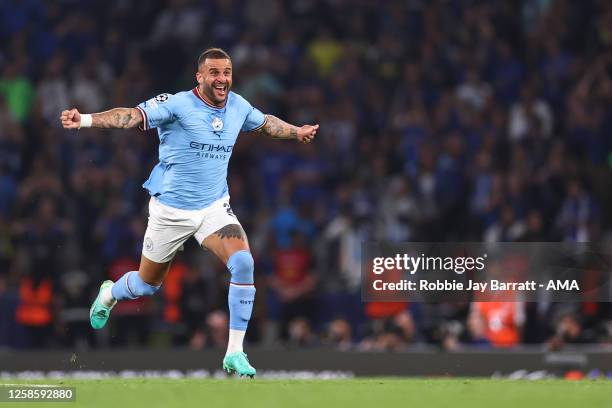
{"points": [[354, 393]]}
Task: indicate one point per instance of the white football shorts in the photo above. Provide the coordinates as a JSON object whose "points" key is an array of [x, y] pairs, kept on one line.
{"points": [[168, 227]]}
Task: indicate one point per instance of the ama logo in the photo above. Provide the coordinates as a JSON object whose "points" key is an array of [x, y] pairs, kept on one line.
{"points": [[563, 285]]}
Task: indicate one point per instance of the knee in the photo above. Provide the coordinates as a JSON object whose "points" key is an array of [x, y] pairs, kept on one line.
{"points": [[241, 266]]}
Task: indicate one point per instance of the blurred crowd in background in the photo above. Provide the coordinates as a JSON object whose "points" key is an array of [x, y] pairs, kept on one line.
{"points": [[440, 121]]}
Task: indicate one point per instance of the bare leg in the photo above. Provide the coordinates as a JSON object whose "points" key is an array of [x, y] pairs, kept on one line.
{"points": [[151, 272], [226, 241]]}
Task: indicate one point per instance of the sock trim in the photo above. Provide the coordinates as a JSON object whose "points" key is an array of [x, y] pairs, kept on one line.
{"points": [[127, 284], [242, 284]]}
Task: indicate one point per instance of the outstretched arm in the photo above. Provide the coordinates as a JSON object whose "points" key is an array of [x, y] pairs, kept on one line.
{"points": [[279, 129], [118, 118]]}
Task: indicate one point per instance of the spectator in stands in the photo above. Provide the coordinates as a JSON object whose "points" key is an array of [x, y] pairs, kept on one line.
{"points": [[569, 330], [293, 281]]}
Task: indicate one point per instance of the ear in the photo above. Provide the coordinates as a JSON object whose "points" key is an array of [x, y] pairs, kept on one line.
{"points": [[199, 77]]}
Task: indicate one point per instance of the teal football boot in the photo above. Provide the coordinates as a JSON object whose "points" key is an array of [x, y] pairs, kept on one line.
{"points": [[98, 313], [238, 363]]}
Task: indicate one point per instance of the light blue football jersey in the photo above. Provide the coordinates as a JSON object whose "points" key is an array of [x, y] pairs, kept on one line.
{"points": [[195, 145]]}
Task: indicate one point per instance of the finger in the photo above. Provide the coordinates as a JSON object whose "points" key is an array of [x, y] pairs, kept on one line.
{"points": [[69, 122]]}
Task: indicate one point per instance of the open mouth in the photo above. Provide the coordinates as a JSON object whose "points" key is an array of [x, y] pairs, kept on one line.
{"points": [[220, 89]]}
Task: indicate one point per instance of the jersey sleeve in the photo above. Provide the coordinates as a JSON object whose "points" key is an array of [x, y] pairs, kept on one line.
{"points": [[157, 111], [254, 119]]}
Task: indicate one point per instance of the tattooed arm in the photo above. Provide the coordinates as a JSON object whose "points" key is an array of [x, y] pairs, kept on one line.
{"points": [[121, 118], [118, 118], [279, 129]]}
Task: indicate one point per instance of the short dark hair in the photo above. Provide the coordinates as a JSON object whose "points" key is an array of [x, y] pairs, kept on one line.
{"points": [[212, 53]]}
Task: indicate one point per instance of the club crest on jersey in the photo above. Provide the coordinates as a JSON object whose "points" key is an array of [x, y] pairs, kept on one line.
{"points": [[217, 124], [161, 98]]}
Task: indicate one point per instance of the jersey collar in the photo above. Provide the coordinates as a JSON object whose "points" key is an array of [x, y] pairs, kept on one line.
{"points": [[196, 92]]}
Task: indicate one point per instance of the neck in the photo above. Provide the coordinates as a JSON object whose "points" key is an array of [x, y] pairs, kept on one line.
{"points": [[208, 100]]}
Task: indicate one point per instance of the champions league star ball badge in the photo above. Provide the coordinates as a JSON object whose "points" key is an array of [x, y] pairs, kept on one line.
{"points": [[161, 98], [217, 124]]}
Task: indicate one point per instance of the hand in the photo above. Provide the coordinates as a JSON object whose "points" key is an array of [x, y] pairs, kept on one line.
{"points": [[71, 119], [306, 133]]}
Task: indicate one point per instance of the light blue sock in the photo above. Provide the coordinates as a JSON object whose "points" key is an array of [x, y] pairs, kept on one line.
{"points": [[242, 289], [131, 286]]}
